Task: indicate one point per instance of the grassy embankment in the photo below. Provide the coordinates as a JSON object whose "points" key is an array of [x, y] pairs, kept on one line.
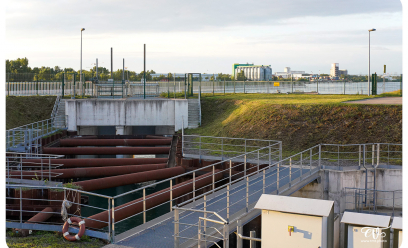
{"points": [[299, 120], [21, 110], [40, 239]]}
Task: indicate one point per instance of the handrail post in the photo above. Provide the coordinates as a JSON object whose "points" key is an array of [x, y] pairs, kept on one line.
{"points": [[194, 186], [263, 182], [245, 163], [109, 219], [378, 154], [247, 193], [176, 228], [21, 207], [258, 163], [199, 150], [320, 156], [226, 236], [228, 201], [230, 172], [277, 179], [359, 156], [373, 155], [301, 165], [239, 231], [269, 157], [222, 149], [144, 205], [199, 234], [171, 195], [213, 179], [290, 172], [113, 220]]}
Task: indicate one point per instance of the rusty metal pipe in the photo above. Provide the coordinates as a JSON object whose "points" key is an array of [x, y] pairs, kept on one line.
{"points": [[105, 150], [94, 162], [40, 217], [116, 181], [114, 142], [89, 172], [155, 199]]}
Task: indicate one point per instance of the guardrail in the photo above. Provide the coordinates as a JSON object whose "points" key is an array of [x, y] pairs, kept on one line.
{"points": [[373, 201], [370, 155], [18, 171], [27, 137], [28, 200], [208, 147]]}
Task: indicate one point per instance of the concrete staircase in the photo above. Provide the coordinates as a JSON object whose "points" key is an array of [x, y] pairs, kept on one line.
{"points": [[193, 113]]}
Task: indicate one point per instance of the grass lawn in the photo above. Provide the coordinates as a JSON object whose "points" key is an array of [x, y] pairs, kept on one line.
{"points": [[42, 239]]}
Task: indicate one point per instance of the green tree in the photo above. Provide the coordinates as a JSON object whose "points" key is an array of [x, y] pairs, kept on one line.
{"points": [[241, 76]]}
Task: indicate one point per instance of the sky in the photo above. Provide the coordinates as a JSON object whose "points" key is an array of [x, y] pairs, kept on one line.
{"points": [[207, 36]]}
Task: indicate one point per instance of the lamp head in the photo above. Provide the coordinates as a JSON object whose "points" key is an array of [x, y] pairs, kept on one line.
{"points": [[82, 29], [373, 29]]}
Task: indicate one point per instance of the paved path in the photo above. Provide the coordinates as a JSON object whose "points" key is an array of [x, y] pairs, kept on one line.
{"points": [[379, 100]]}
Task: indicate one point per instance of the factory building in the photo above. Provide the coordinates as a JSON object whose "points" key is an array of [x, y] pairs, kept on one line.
{"points": [[287, 73], [253, 72], [336, 72]]}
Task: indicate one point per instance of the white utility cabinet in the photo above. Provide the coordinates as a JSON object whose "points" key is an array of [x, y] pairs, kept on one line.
{"points": [[296, 222], [397, 226], [366, 230]]}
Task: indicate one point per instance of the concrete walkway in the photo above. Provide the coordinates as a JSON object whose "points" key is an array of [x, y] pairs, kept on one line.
{"points": [[380, 100]]}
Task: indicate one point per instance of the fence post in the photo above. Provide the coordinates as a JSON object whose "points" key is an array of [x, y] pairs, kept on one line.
{"points": [[257, 169], [373, 155], [213, 178], [234, 85], [245, 163], [8, 88], [176, 228], [378, 154], [199, 150], [213, 83], [359, 156], [224, 86], [36, 85], [199, 234], [63, 85], [344, 87], [317, 87]]}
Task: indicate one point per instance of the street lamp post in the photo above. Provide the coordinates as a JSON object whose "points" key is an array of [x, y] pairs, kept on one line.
{"points": [[369, 31], [80, 75]]}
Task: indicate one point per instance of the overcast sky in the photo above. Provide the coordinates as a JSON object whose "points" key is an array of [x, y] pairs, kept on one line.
{"points": [[207, 36]]}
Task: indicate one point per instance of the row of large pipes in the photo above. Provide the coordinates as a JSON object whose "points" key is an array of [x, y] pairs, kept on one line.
{"points": [[116, 181], [88, 172], [114, 142], [38, 218], [105, 150], [93, 162], [136, 206]]}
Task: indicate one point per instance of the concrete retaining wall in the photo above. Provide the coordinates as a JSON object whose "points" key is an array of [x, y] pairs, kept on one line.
{"points": [[126, 112]]}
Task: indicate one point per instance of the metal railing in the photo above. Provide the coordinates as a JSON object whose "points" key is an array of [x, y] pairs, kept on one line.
{"points": [[238, 195], [209, 147], [370, 155], [18, 170], [27, 137], [155, 88], [373, 201], [24, 201]]}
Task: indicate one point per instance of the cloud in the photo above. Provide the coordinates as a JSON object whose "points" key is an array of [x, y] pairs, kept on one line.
{"points": [[60, 16]]}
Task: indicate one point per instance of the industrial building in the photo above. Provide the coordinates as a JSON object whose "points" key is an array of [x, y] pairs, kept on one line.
{"points": [[253, 72], [336, 72], [287, 73]]}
